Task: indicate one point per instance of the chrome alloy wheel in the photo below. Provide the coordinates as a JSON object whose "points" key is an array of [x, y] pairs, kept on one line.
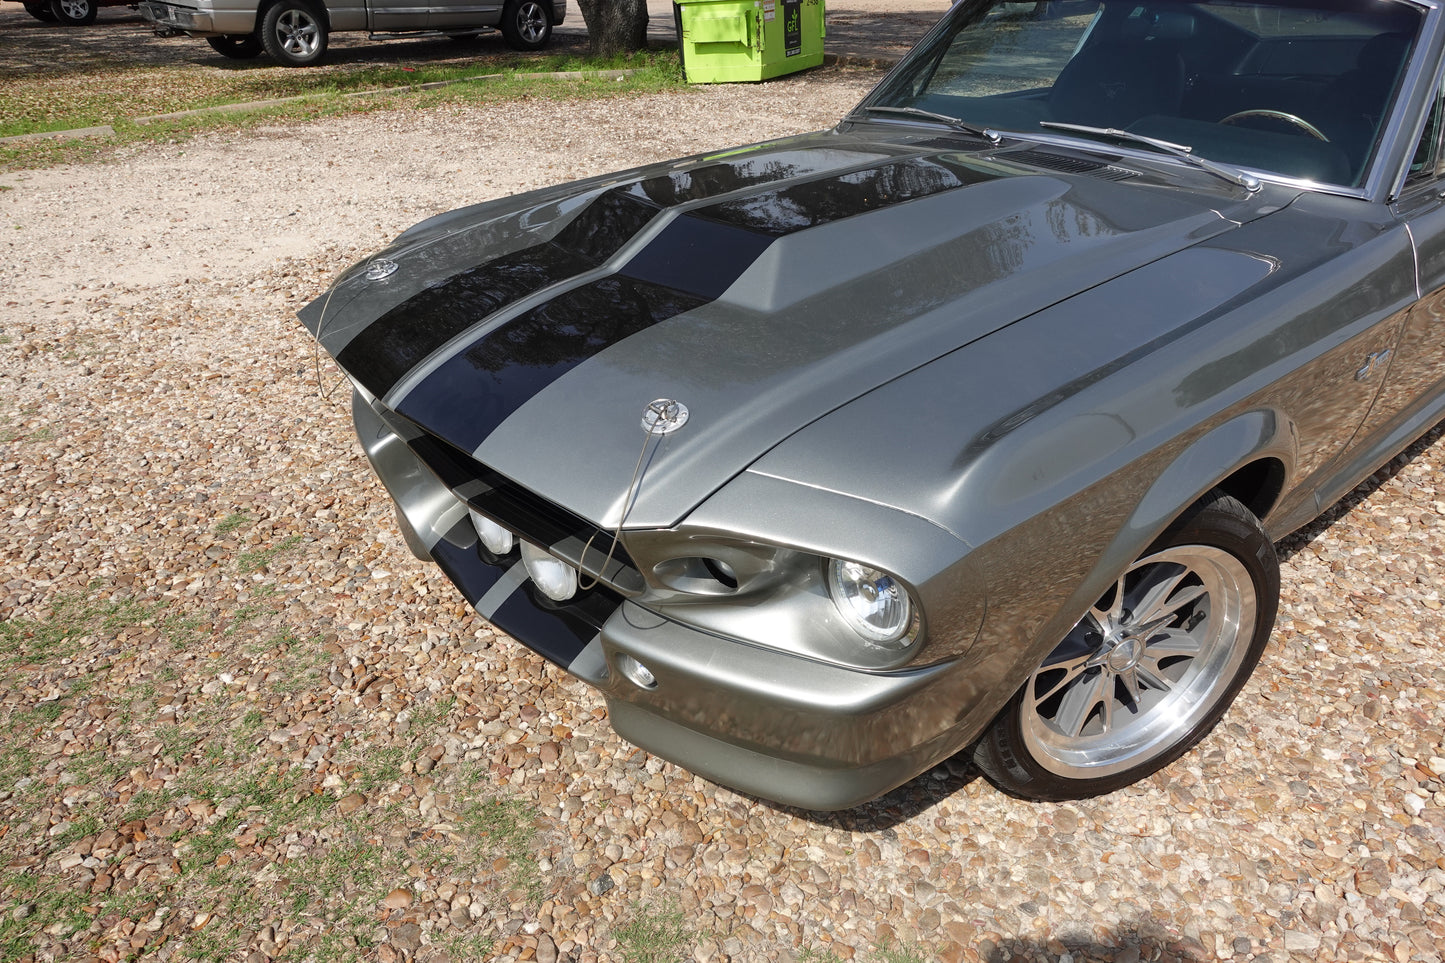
{"points": [[1148, 662], [75, 9], [532, 22], [298, 32]]}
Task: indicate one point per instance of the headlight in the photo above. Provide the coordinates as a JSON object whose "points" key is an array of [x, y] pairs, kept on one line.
{"points": [[497, 539], [874, 603], [553, 577]]}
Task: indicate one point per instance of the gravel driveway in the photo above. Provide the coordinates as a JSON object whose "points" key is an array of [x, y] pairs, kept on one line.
{"points": [[242, 723]]}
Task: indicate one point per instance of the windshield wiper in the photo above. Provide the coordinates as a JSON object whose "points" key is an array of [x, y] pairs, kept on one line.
{"points": [[992, 136], [1235, 176]]}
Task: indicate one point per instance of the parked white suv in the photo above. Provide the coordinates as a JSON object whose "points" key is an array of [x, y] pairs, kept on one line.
{"points": [[294, 32]]}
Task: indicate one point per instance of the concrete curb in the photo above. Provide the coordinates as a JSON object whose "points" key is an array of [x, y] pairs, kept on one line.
{"points": [[74, 134]]}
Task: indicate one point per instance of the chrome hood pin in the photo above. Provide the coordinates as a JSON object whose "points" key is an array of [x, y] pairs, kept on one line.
{"points": [[664, 416]]}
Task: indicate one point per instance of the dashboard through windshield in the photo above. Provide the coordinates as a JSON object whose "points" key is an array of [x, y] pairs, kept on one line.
{"points": [[1298, 89]]}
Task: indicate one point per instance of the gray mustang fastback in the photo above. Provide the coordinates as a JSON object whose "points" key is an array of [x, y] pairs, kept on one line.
{"points": [[966, 425]]}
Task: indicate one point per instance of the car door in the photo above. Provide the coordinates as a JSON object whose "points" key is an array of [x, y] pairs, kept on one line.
{"points": [[386, 15], [451, 14], [1416, 367]]}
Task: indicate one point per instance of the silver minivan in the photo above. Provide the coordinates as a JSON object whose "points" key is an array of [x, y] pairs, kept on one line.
{"points": [[294, 32]]}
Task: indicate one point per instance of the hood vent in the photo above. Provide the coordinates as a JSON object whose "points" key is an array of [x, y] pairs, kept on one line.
{"points": [[1071, 165], [961, 141]]}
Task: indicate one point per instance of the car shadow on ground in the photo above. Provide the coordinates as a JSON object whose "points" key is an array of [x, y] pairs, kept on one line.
{"points": [[1296, 542]]}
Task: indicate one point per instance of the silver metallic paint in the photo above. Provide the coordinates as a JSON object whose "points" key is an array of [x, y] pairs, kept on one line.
{"points": [[1035, 421]]}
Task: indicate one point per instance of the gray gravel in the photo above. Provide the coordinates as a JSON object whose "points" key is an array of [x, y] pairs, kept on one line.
{"points": [[243, 723]]}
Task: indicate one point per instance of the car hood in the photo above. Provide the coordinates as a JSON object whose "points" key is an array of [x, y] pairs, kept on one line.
{"points": [[761, 288]]}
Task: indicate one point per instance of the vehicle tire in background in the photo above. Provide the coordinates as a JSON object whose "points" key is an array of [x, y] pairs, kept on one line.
{"points": [[294, 33], [527, 24], [76, 13], [40, 10], [237, 46], [1150, 669]]}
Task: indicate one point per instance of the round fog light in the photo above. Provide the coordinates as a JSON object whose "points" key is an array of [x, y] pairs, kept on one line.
{"points": [[495, 538], [553, 577], [872, 602], [635, 672]]}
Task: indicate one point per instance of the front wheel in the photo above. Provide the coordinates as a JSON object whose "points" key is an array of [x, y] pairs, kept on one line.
{"points": [[76, 13], [293, 33], [1150, 669], [40, 10], [527, 24], [237, 46]]}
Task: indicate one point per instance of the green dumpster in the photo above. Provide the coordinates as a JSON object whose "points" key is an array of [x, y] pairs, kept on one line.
{"points": [[723, 41]]}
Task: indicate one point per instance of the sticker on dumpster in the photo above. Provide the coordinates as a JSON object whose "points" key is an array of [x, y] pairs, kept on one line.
{"points": [[770, 10], [793, 27]]}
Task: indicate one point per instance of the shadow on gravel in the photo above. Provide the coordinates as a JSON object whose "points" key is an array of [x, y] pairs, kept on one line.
{"points": [[1297, 541], [1136, 942], [918, 795]]}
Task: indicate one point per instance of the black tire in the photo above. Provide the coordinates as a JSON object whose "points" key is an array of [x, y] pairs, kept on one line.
{"points": [[237, 46], [1171, 645], [527, 24], [40, 10], [74, 13], [294, 33]]}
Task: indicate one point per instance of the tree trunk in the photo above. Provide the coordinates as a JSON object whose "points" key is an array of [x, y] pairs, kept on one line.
{"points": [[615, 26]]}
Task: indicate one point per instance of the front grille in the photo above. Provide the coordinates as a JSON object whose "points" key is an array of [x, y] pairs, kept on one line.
{"points": [[520, 509]]}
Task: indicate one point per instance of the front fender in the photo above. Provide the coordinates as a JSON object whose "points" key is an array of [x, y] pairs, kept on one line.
{"points": [[1204, 464]]}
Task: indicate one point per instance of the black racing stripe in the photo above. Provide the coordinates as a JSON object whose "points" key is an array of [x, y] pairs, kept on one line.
{"points": [[558, 632], [470, 394], [394, 343], [464, 565], [696, 255], [798, 207], [692, 261], [515, 507], [555, 632], [711, 180]]}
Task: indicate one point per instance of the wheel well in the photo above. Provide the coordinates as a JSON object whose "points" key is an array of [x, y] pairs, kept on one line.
{"points": [[318, 5], [1257, 485]]}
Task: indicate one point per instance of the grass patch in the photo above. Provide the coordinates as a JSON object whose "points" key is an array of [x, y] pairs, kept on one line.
{"points": [[183, 631], [426, 719], [252, 608], [232, 522], [72, 617], [118, 96], [654, 934], [379, 768], [248, 562], [890, 952]]}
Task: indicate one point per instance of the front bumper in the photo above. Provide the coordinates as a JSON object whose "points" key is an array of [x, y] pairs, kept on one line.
{"points": [[197, 22], [785, 728]]}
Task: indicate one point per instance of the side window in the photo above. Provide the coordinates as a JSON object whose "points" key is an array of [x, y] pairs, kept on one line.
{"points": [[1427, 158]]}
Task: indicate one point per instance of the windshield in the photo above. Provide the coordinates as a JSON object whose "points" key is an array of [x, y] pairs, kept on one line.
{"points": [[1300, 89]]}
